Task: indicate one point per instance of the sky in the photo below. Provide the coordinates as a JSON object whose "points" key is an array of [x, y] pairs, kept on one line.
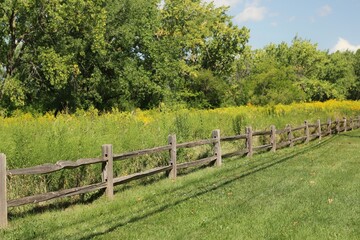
{"points": [[332, 24]]}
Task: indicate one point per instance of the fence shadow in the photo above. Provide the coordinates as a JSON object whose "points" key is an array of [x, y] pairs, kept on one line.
{"points": [[260, 166]]}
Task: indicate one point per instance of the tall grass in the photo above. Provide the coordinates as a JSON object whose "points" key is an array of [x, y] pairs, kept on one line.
{"points": [[29, 140]]}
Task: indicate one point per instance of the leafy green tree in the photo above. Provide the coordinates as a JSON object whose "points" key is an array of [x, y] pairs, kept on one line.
{"points": [[339, 71], [52, 51], [354, 92]]}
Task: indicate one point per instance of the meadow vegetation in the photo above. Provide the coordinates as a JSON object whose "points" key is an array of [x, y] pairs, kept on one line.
{"points": [[29, 140]]}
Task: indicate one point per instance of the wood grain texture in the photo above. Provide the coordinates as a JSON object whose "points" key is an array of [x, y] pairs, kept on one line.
{"points": [[262, 147], [217, 147], [298, 128], [196, 143], [3, 195], [53, 195], [196, 163], [261, 133], [173, 156], [49, 168], [273, 138], [233, 138], [249, 141], [236, 153], [107, 169], [131, 177], [123, 156]]}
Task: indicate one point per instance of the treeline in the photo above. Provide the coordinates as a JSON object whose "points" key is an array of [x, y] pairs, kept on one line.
{"points": [[124, 54], [298, 72]]}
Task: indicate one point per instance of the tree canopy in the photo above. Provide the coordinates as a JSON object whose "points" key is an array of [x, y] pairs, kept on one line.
{"points": [[77, 54]]}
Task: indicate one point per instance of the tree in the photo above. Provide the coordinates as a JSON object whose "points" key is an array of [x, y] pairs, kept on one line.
{"points": [[52, 51]]}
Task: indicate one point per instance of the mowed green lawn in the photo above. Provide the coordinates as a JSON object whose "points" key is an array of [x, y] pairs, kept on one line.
{"points": [[310, 191]]}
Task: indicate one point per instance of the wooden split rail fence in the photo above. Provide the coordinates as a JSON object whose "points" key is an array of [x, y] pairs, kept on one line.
{"points": [[109, 181]]}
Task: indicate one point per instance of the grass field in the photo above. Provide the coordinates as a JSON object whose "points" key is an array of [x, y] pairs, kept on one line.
{"points": [[306, 192]]}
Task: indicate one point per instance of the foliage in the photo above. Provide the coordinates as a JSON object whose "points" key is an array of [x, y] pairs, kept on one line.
{"points": [[68, 55], [29, 140], [293, 73]]}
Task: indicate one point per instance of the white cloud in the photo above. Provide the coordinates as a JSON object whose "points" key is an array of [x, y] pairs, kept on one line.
{"points": [[219, 3], [343, 45], [324, 11], [252, 12]]}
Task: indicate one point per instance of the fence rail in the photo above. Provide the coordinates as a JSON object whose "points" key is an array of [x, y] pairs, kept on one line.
{"points": [[287, 138]]}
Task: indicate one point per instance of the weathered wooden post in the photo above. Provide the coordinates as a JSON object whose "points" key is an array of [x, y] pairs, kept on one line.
{"points": [[345, 124], [217, 147], [329, 126], [307, 133], [337, 126], [107, 169], [249, 141], [3, 197], [273, 138], [318, 123], [172, 152], [351, 123], [290, 135]]}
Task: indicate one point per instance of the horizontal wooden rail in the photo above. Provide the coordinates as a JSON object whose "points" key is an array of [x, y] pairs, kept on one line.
{"points": [[135, 176], [236, 153], [233, 138], [282, 131], [283, 144], [138, 153], [262, 147], [52, 195], [261, 133], [195, 143], [298, 128], [49, 168], [299, 139], [196, 163]]}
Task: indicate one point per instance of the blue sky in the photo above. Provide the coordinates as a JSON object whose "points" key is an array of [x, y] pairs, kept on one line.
{"points": [[332, 24]]}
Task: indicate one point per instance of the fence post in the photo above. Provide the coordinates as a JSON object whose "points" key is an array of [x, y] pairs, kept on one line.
{"points": [[307, 133], [290, 135], [351, 123], [217, 147], [249, 141], [273, 138], [329, 126], [337, 126], [318, 122], [345, 124], [107, 169], [172, 152], [3, 197]]}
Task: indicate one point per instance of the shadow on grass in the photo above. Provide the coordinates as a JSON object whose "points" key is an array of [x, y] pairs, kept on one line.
{"points": [[252, 170], [348, 135]]}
